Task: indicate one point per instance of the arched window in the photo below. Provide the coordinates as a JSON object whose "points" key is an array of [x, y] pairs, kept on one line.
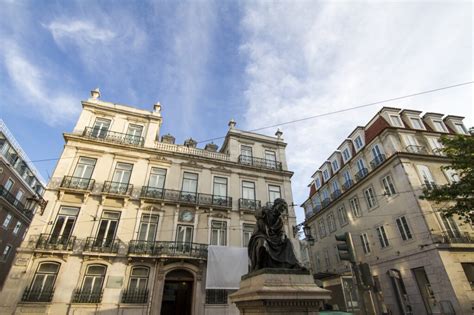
{"points": [[42, 287], [137, 291], [91, 289]]}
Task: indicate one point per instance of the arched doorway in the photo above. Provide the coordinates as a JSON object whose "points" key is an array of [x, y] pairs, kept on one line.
{"points": [[177, 293]]}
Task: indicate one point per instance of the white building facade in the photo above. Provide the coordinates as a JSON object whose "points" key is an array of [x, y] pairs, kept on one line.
{"points": [[421, 261], [130, 217]]}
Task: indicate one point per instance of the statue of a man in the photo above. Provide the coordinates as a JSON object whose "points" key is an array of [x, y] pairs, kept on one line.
{"points": [[269, 247]]}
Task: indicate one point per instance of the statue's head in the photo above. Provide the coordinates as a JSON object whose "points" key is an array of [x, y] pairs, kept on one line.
{"points": [[280, 205]]}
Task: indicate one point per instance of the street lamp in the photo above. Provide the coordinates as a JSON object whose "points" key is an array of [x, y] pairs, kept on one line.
{"points": [[307, 233]]}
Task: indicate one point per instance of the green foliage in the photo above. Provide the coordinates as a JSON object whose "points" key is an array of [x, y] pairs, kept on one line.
{"points": [[457, 198]]}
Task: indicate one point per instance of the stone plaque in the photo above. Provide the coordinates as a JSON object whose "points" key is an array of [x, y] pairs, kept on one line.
{"points": [[22, 260], [114, 282]]}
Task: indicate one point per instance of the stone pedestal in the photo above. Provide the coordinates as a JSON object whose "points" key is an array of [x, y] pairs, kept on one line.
{"points": [[279, 292]]}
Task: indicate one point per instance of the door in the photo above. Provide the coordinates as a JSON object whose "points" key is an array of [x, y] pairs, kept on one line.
{"points": [[177, 293], [107, 229]]}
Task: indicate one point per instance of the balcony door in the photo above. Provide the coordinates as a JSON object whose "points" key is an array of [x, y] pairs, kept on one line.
{"points": [[107, 229], [134, 133], [156, 182], [83, 172], [451, 227], [270, 159], [246, 154], [184, 238], [101, 126], [121, 177], [64, 225], [189, 187], [148, 228], [93, 282]]}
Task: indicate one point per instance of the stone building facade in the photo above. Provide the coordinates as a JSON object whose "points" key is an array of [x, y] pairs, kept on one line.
{"points": [[421, 261], [130, 217], [21, 190]]}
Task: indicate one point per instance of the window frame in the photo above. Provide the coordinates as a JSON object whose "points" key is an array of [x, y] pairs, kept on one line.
{"points": [[371, 198], [388, 186], [342, 215], [399, 123], [357, 213], [6, 252], [382, 236], [403, 228], [8, 219], [364, 238], [221, 232]]}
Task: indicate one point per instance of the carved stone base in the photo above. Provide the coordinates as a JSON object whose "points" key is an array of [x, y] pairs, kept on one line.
{"points": [[279, 292]]}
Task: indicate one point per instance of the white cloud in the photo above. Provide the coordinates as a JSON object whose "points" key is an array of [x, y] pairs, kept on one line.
{"points": [[86, 32], [307, 58], [32, 84]]}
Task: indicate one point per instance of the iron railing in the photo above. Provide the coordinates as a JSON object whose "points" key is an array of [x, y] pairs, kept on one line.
{"points": [[86, 296], [430, 185], [117, 188], [180, 196], [55, 242], [134, 296], [165, 249], [377, 160], [348, 184], [336, 194], [215, 200], [361, 174], [456, 237], [77, 183], [15, 202], [112, 136], [37, 295], [416, 149], [249, 204], [101, 245], [438, 151], [259, 163]]}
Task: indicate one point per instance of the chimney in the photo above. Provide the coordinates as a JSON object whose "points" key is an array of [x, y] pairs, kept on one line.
{"points": [[168, 139], [232, 124], [95, 94], [211, 147], [190, 143]]}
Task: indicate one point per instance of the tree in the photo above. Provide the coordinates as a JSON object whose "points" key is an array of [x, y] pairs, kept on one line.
{"points": [[457, 197]]}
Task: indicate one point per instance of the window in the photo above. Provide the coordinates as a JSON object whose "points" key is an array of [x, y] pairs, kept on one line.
{"points": [[247, 231], [435, 144], [469, 272], [107, 229], [121, 178], [452, 175], [248, 190], [403, 228], [396, 121], [101, 126], [336, 250], [148, 228], [342, 215], [335, 165], [64, 225], [274, 192], [190, 183], [416, 123], [370, 197], [347, 177], [270, 159], [184, 234], [355, 207], [138, 283], [325, 193], [426, 177], [376, 152], [360, 165], [322, 228], [18, 197], [220, 186], [6, 252], [326, 258], [358, 143], [460, 128], [316, 202], [364, 238], [318, 182], [8, 185], [134, 134], [451, 227], [91, 289], [218, 233], [439, 126], [346, 154], [325, 174], [84, 168], [216, 296], [335, 188], [7, 220], [17, 228], [331, 222], [389, 189], [246, 155], [382, 236], [42, 287], [157, 178]]}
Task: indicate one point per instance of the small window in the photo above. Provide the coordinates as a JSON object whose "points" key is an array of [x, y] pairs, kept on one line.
{"points": [[355, 207], [331, 222], [8, 185], [396, 121], [403, 228], [439, 126], [248, 190], [370, 197], [342, 215], [157, 178], [325, 174], [91, 289], [101, 126], [84, 168], [246, 151], [122, 173], [219, 233], [6, 252], [17, 228], [274, 192], [382, 236], [216, 296], [190, 182], [247, 231], [318, 182], [469, 272], [346, 154], [389, 188], [7, 220], [335, 165], [220, 186], [358, 143], [416, 123], [270, 159], [460, 128], [137, 285], [364, 238]]}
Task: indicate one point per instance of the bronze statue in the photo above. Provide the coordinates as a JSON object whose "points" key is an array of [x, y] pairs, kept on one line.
{"points": [[269, 247]]}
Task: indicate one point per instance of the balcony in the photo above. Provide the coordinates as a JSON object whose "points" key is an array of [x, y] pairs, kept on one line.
{"points": [[416, 149], [81, 183], [456, 237], [117, 188], [430, 185], [11, 157], [259, 163], [55, 242], [191, 151], [11, 199], [348, 184], [438, 151], [87, 296], [180, 196], [361, 174], [249, 204], [133, 296], [377, 160], [113, 137], [335, 194], [168, 249], [37, 295], [100, 245], [325, 202]]}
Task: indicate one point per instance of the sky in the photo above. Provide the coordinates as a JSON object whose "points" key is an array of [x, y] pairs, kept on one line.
{"points": [[259, 62]]}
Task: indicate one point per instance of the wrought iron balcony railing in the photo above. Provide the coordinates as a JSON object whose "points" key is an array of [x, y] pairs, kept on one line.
{"points": [[456, 237], [214, 200], [55, 242], [134, 296], [77, 183], [165, 249], [348, 184], [336, 194], [180, 196], [101, 245], [259, 163], [361, 174], [112, 136], [249, 204], [438, 151], [11, 199], [117, 188], [377, 160], [325, 202], [87, 296], [430, 185], [416, 149], [37, 295]]}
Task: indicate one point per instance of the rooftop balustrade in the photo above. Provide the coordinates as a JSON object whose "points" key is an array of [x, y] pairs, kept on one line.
{"points": [[180, 196]]}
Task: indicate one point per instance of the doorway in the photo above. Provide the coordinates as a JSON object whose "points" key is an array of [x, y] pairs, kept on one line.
{"points": [[177, 293]]}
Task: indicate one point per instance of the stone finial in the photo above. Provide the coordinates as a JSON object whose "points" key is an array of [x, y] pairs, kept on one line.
{"points": [[168, 139], [95, 93], [278, 134], [211, 147], [157, 107], [232, 124], [190, 143]]}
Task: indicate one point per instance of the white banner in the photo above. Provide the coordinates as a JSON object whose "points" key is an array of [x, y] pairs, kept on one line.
{"points": [[225, 266]]}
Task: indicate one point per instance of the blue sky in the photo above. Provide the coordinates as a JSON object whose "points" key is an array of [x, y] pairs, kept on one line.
{"points": [[208, 61]]}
